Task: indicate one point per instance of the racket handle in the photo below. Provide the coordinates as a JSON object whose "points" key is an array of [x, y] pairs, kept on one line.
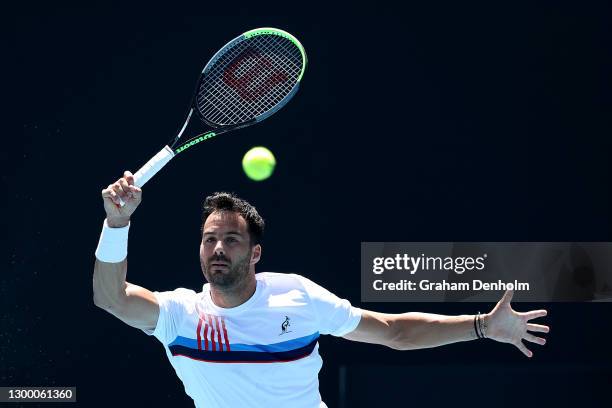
{"points": [[151, 168]]}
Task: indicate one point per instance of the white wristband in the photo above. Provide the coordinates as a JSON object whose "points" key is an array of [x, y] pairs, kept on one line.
{"points": [[112, 246]]}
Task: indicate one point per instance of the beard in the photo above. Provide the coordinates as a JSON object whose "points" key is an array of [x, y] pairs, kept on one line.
{"points": [[233, 276]]}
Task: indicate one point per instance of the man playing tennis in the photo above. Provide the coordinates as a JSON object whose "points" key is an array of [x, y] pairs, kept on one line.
{"points": [[220, 339]]}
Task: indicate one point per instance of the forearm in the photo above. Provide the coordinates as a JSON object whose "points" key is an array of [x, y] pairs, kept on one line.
{"points": [[424, 330], [110, 269], [409, 331], [109, 285]]}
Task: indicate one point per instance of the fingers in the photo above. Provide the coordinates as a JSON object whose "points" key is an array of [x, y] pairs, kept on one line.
{"points": [[531, 338], [110, 194], [126, 191], [534, 339], [538, 328], [135, 193], [122, 189], [534, 314], [523, 349], [507, 298], [129, 177]]}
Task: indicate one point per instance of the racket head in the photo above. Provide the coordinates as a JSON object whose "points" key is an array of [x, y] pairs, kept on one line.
{"points": [[250, 78]]}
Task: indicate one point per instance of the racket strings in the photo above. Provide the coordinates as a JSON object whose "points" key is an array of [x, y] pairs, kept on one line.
{"points": [[231, 113], [250, 79], [267, 45]]}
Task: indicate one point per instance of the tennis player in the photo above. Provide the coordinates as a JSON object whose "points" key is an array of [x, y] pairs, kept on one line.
{"points": [[250, 340]]}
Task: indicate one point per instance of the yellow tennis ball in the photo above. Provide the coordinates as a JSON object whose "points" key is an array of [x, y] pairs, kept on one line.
{"points": [[258, 163]]}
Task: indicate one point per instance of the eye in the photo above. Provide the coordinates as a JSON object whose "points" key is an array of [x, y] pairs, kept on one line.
{"points": [[231, 239], [209, 239]]}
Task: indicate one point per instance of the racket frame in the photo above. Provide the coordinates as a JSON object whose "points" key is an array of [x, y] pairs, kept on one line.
{"points": [[173, 148]]}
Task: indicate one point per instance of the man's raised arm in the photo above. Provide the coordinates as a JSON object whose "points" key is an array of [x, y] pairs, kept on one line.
{"points": [[408, 331], [132, 304]]}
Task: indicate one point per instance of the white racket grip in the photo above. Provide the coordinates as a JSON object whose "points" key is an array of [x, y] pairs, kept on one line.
{"points": [[151, 168]]}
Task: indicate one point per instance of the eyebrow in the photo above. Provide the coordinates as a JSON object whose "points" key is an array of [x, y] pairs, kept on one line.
{"points": [[227, 233]]}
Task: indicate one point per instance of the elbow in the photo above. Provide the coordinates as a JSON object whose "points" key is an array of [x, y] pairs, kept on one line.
{"points": [[402, 337], [105, 302], [401, 344], [111, 306], [98, 301], [101, 302], [395, 337]]}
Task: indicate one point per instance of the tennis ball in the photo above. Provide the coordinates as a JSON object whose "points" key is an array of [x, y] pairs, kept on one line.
{"points": [[258, 163]]}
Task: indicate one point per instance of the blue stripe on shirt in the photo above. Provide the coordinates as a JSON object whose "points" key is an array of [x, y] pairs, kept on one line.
{"points": [[264, 348]]}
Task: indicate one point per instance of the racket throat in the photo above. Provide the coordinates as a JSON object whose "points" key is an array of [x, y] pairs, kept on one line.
{"points": [[195, 141], [180, 133]]}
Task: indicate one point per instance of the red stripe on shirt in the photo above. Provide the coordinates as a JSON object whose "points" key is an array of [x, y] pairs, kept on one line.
{"points": [[198, 333], [227, 345], [212, 333], [218, 334], [205, 336]]}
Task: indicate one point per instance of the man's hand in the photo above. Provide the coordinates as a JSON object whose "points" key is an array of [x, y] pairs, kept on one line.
{"points": [[508, 326], [124, 189]]}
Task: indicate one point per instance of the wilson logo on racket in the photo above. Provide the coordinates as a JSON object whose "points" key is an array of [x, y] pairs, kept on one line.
{"points": [[195, 141], [259, 65]]}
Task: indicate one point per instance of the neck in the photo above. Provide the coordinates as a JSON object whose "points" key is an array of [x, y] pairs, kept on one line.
{"points": [[234, 296]]}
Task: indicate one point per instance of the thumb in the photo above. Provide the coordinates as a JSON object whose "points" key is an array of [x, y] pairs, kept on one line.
{"points": [[507, 298]]}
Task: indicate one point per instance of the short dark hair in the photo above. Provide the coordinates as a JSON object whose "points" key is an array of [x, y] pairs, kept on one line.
{"points": [[222, 201]]}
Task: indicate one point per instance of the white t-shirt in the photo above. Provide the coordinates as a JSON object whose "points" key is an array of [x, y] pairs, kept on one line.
{"points": [[263, 353]]}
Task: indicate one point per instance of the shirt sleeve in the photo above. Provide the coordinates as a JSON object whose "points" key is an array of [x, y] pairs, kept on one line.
{"points": [[173, 306], [336, 316]]}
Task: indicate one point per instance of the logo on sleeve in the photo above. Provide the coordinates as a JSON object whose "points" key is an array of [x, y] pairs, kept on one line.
{"points": [[285, 326]]}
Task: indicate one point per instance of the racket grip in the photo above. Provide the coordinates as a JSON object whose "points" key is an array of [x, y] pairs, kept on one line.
{"points": [[154, 165]]}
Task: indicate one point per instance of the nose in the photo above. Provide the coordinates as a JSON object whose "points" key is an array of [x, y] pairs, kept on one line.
{"points": [[219, 250]]}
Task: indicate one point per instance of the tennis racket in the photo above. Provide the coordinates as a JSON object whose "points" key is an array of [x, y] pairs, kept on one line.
{"points": [[245, 82]]}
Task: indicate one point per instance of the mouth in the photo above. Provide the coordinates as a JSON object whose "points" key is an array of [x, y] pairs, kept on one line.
{"points": [[219, 265]]}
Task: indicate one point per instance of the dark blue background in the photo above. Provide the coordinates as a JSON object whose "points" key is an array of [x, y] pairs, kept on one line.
{"points": [[447, 123]]}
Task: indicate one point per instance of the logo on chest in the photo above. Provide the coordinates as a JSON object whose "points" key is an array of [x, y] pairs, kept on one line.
{"points": [[285, 326]]}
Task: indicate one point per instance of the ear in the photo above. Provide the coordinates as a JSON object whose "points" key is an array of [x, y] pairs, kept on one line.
{"points": [[255, 254]]}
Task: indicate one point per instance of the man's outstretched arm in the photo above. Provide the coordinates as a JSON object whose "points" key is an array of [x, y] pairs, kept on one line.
{"points": [[409, 331], [132, 304]]}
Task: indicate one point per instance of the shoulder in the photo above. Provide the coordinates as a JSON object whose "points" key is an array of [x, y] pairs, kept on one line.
{"points": [[179, 293], [282, 280], [178, 296]]}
